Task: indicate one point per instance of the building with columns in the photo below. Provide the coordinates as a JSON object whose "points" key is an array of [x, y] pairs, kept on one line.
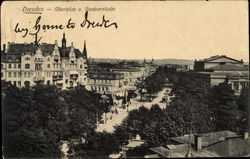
{"points": [[30, 64], [218, 69]]}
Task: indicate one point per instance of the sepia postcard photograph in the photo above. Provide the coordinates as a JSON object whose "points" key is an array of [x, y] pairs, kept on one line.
{"points": [[125, 79]]}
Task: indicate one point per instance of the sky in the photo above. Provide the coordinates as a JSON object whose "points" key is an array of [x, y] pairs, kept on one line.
{"points": [[179, 30]]}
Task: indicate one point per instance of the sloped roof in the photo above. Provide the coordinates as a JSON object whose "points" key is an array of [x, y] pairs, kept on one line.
{"points": [[47, 49], [207, 138], [218, 57], [165, 152], [67, 51]]}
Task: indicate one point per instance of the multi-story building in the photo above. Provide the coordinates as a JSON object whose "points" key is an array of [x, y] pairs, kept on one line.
{"points": [[215, 61], [131, 75], [218, 69], [30, 64], [106, 83]]}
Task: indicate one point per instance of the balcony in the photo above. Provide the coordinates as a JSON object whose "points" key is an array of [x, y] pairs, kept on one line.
{"points": [[37, 79]]}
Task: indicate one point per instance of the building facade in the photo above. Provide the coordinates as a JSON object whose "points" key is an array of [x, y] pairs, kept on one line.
{"points": [[218, 69], [30, 64], [106, 83], [115, 79]]}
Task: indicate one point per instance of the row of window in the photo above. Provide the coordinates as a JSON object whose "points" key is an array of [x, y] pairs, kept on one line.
{"points": [[93, 88], [39, 59], [27, 66], [15, 65], [18, 74], [16, 83], [17, 59], [103, 81], [29, 74]]}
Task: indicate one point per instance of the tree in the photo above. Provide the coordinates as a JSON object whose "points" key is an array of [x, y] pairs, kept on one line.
{"points": [[99, 145], [222, 103], [33, 125], [243, 100], [84, 109], [156, 126], [37, 119]]}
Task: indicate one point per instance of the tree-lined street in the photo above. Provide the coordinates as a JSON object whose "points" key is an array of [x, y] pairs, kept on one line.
{"points": [[135, 104]]}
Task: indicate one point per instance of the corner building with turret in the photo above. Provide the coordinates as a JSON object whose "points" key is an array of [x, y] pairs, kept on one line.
{"points": [[51, 64]]}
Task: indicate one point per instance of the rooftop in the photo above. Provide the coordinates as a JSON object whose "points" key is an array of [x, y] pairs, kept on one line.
{"points": [[166, 152], [105, 75], [218, 57], [207, 138], [214, 144], [47, 49]]}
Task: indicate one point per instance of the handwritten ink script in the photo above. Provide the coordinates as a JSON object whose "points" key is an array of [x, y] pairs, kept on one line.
{"points": [[86, 23]]}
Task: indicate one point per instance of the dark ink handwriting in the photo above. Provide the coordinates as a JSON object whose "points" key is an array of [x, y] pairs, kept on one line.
{"points": [[105, 23]]}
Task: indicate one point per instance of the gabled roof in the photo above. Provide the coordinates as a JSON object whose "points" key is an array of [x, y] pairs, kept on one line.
{"points": [[218, 57], [47, 49], [67, 51]]}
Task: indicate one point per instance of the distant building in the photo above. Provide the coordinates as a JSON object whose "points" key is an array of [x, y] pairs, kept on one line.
{"points": [[105, 78], [131, 75], [106, 83], [216, 62], [218, 69], [30, 64], [214, 144]]}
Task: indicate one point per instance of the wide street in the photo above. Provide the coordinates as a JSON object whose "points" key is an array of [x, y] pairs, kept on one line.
{"points": [[135, 104]]}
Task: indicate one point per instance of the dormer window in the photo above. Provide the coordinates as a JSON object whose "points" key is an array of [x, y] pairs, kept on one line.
{"points": [[17, 59], [9, 59]]}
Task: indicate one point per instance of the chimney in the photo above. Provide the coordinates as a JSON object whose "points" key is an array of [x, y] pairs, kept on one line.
{"points": [[245, 134], [8, 46], [198, 141], [4, 48]]}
